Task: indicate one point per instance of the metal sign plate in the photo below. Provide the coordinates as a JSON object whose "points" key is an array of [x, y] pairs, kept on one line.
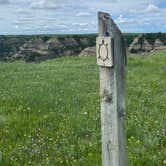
{"points": [[104, 50]]}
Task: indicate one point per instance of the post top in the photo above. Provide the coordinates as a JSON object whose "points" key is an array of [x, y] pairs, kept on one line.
{"points": [[107, 26]]}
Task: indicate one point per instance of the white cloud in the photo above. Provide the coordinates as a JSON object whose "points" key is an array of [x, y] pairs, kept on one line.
{"points": [[21, 11], [83, 24], [82, 14], [149, 8], [85, 29], [143, 20], [44, 4], [130, 15], [152, 8], [48, 4], [121, 19]]}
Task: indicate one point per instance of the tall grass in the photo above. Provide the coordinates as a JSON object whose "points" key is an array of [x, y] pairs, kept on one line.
{"points": [[50, 112]]}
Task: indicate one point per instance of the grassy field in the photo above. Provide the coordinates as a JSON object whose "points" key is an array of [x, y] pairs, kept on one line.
{"points": [[50, 115]]}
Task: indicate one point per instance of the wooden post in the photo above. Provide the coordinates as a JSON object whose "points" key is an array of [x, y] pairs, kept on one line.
{"points": [[112, 61]]}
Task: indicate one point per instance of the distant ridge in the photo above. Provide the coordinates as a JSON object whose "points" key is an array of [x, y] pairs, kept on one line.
{"points": [[36, 48]]}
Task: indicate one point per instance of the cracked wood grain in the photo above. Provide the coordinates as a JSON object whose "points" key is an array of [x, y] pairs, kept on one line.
{"points": [[112, 92]]}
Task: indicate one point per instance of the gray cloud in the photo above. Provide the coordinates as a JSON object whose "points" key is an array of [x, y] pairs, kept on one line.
{"points": [[4, 1]]}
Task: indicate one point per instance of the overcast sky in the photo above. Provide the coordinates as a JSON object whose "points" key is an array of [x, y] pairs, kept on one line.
{"points": [[79, 16]]}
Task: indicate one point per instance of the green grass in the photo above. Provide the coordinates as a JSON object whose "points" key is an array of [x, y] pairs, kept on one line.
{"points": [[49, 112]]}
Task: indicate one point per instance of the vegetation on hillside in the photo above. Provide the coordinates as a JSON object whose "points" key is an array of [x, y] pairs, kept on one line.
{"points": [[153, 36], [11, 44], [50, 112]]}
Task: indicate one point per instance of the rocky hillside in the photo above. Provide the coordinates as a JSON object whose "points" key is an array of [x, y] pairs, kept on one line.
{"points": [[41, 47], [141, 44], [89, 51], [147, 43], [37, 48]]}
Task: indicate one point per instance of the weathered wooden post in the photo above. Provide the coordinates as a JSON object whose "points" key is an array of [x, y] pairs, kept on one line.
{"points": [[111, 57]]}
